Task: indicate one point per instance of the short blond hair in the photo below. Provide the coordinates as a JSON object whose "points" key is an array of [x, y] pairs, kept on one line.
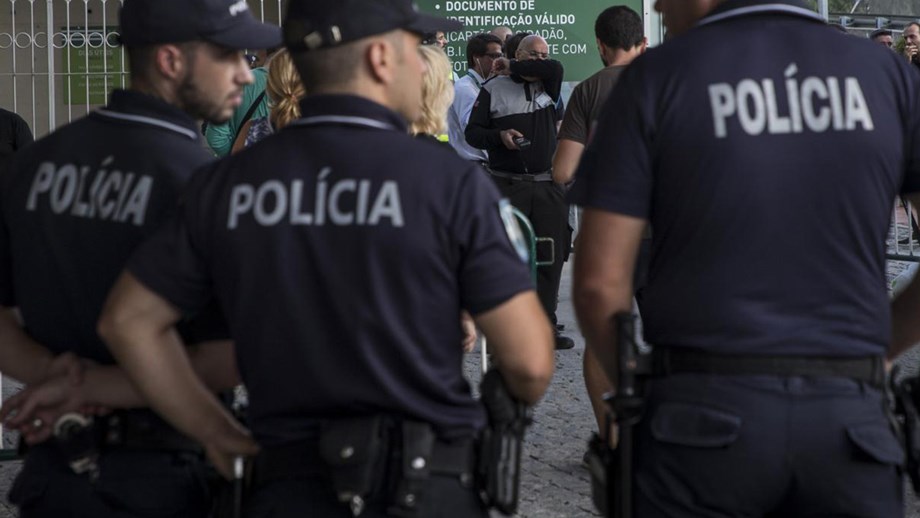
{"points": [[437, 92]]}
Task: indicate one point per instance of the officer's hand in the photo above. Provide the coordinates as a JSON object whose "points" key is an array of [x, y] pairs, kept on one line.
{"points": [[613, 435], [233, 441], [35, 409], [469, 332], [508, 137], [67, 364]]}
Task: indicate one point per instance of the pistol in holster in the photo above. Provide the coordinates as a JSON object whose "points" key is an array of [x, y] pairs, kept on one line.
{"points": [[611, 467], [501, 444], [905, 396]]}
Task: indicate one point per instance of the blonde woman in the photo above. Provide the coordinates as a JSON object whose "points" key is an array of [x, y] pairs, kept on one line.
{"points": [[437, 95], [285, 90]]}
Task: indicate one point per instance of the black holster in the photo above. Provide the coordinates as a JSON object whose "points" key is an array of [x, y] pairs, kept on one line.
{"points": [[501, 444], [611, 469], [600, 463]]}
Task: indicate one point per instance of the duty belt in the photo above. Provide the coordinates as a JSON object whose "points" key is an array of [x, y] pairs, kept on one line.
{"points": [[673, 360], [545, 176], [81, 441], [144, 430], [302, 459]]}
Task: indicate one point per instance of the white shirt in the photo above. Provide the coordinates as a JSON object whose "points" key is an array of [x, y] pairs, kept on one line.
{"points": [[466, 90]]}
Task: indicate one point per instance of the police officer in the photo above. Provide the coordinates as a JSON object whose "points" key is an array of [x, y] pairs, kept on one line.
{"points": [[768, 174], [342, 250], [73, 207]]}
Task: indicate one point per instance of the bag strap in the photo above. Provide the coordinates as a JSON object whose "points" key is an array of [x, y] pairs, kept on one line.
{"points": [[240, 141], [252, 109]]}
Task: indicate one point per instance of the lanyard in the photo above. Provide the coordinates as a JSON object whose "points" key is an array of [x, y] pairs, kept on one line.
{"points": [[475, 79]]}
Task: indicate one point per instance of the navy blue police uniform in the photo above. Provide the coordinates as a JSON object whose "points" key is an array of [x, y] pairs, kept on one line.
{"points": [[768, 174], [73, 207], [344, 268]]}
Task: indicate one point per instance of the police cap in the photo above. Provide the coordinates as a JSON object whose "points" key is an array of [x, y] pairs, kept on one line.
{"points": [[228, 23], [319, 24]]}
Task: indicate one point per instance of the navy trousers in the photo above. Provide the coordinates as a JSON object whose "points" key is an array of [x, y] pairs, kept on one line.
{"points": [[131, 483], [444, 497], [766, 446]]}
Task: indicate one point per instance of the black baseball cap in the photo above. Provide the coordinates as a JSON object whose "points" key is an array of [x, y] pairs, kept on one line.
{"points": [[321, 24], [228, 23]]}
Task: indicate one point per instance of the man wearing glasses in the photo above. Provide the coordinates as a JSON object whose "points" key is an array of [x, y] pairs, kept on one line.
{"points": [[514, 119], [481, 51]]}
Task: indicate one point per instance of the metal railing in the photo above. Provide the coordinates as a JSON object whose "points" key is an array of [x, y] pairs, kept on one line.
{"points": [[868, 22], [60, 59], [902, 247]]}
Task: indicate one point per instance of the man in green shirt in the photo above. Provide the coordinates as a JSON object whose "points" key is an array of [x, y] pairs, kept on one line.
{"points": [[220, 137]]}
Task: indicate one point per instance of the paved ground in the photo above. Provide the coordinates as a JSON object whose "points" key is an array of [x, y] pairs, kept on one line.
{"points": [[554, 483]]}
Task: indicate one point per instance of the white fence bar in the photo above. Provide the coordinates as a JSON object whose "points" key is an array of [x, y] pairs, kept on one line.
{"points": [[52, 112]]}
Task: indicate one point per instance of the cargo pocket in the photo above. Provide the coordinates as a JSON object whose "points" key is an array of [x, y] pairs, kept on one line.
{"points": [[876, 442], [693, 425], [152, 485]]}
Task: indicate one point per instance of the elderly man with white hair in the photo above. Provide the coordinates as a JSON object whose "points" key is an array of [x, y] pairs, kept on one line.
{"points": [[515, 121]]}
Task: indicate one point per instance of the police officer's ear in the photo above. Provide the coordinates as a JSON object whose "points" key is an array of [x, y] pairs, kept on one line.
{"points": [[383, 54], [171, 61]]}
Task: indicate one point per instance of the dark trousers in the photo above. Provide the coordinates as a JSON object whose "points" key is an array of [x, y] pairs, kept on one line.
{"points": [[766, 446], [444, 497], [131, 484], [544, 205]]}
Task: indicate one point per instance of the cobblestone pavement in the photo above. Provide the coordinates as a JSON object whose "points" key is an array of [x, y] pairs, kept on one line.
{"points": [[8, 469], [554, 484]]}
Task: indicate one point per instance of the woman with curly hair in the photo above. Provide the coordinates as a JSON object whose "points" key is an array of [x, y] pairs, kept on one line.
{"points": [[285, 90]]}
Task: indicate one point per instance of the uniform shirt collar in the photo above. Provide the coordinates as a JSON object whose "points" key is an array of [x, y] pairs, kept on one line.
{"points": [[132, 102], [344, 106], [736, 8]]}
